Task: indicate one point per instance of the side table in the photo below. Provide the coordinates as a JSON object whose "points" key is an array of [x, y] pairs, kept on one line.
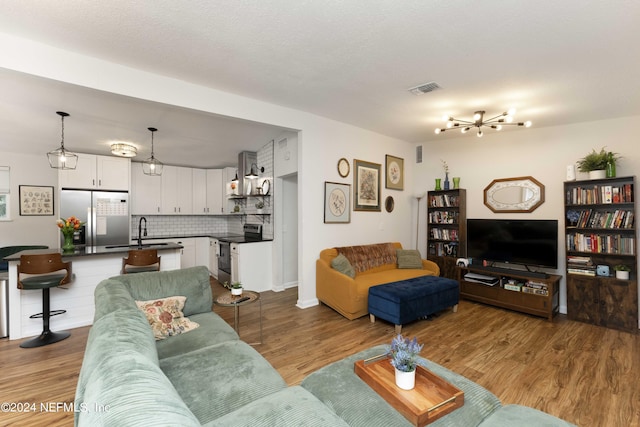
{"points": [[235, 301]]}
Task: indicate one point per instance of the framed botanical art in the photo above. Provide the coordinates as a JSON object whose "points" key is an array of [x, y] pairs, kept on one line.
{"points": [[366, 183], [36, 200], [394, 173], [337, 203]]}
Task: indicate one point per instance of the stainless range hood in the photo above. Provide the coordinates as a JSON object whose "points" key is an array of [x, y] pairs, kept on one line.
{"points": [[245, 160]]}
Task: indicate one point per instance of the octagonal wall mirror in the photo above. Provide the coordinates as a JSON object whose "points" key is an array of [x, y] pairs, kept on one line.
{"points": [[521, 194]]}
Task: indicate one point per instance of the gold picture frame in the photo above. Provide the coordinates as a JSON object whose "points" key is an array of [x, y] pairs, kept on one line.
{"points": [[366, 184], [394, 173]]}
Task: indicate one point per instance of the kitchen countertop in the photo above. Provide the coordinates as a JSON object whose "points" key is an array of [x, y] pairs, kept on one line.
{"points": [[94, 250], [225, 237]]}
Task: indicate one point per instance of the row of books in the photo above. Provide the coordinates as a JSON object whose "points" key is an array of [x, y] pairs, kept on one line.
{"points": [[582, 265], [444, 249], [605, 219], [444, 200], [600, 194], [443, 217], [444, 234], [601, 243]]}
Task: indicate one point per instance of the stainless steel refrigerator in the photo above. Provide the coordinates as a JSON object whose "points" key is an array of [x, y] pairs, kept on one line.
{"points": [[105, 214]]}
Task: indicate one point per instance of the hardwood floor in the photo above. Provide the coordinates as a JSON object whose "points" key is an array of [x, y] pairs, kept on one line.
{"points": [[585, 374]]}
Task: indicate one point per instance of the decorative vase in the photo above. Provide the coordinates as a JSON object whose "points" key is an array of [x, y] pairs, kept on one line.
{"points": [[446, 180], [611, 168], [622, 275], [406, 380], [68, 245], [258, 211], [236, 291], [456, 182], [598, 174], [438, 180]]}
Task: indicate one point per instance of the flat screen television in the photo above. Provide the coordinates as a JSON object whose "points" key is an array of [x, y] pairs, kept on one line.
{"points": [[526, 242]]}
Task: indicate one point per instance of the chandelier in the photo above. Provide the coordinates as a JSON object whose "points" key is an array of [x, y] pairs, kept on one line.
{"points": [[123, 149], [497, 122], [152, 166], [61, 158]]}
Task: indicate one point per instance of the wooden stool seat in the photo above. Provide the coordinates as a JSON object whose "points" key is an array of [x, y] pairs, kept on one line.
{"points": [[141, 260]]}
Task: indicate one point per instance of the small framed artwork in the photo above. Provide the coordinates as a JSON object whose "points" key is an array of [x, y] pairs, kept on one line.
{"points": [[394, 176], [366, 182], [336, 203], [36, 200]]}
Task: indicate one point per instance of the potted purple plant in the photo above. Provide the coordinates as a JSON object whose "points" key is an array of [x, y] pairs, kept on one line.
{"points": [[404, 358]]}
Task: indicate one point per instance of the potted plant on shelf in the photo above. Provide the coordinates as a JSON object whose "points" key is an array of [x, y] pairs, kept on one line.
{"points": [[404, 358], [622, 271], [259, 207], [596, 163]]}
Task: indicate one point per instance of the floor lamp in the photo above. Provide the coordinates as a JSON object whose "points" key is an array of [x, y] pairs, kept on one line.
{"points": [[419, 197]]}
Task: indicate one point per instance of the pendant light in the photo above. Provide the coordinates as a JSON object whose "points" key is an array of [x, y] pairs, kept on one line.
{"points": [[152, 166], [61, 158]]}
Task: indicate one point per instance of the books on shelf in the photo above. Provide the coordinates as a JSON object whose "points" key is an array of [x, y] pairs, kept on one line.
{"points": [[619, 218], [444, 200], [444, 234], [443, 217], [599, 194], [601, 243]]}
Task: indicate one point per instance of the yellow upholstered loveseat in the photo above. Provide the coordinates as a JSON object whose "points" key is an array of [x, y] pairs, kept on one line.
{"points": [[374, 264]]}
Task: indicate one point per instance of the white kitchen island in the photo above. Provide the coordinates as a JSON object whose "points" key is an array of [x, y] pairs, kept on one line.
{"points": [[90, 266]]}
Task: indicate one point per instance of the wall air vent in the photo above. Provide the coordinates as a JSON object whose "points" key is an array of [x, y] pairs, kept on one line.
{"points": [[424, 88]]}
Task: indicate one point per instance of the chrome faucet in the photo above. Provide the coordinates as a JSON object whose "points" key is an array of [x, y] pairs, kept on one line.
{"points": [[140, 231]]}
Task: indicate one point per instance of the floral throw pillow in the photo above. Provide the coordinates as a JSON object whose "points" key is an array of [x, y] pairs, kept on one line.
{"points": [[166, 317]]}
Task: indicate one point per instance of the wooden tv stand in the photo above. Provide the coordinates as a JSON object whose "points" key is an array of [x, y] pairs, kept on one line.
{"points": [[529, 302]]}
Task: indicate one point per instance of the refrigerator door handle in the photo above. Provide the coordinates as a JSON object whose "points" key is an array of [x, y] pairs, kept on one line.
{"points": [[90, 235]]}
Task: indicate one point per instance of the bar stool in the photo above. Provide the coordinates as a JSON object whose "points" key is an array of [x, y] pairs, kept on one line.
{"points": [[141, 260], [45, 271]]}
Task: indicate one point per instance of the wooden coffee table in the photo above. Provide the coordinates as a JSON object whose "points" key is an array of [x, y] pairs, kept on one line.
{"points": [[236, 301]]}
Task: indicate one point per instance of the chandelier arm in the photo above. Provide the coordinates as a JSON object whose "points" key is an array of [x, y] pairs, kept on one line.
{"points": [[461, 121], [496, 117]]}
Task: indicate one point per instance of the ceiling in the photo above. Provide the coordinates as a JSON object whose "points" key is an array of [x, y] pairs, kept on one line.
{"points": [[352, 61]]}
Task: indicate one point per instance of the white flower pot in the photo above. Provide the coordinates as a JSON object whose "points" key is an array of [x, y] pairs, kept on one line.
{"points": [[236, 291], [623, 275], [406, 380], [598, 174]]}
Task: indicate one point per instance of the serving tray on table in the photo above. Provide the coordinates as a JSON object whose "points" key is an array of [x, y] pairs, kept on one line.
{"points": [[431, 399]]}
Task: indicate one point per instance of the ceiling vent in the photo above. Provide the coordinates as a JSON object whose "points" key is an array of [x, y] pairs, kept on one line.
{"points": [[425, 88]]}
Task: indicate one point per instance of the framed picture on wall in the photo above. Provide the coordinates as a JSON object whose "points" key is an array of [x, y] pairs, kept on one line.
{"points": [[36, 200], [337, 203], [394, 172], [366, 182]]}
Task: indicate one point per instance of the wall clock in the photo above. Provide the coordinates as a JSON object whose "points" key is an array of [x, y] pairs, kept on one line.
{"points": [[343, 167]]}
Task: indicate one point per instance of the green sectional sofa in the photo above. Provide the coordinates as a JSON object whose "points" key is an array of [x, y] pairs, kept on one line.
{"points": [[209, 377]]}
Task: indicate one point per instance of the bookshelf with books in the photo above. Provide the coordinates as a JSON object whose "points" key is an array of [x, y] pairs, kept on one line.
{"points": [[447, 229], [600, 234]]}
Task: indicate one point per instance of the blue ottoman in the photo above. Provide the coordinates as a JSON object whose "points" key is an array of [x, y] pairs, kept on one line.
{"points": [[408, 300]]}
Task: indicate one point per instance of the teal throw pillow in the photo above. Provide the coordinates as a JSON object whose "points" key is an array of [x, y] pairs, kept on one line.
{"points": [[409, 258], [342, 264]]}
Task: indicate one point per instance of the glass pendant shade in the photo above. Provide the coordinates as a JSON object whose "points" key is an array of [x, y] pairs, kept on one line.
{"points": [[152, 166], [61, 158]]}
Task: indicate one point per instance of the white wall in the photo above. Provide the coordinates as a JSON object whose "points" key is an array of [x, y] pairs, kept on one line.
{"points": [[542, 153], [29, 230]]}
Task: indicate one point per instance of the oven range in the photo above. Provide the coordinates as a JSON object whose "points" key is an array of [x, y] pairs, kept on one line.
{"points": [[228, 257]]}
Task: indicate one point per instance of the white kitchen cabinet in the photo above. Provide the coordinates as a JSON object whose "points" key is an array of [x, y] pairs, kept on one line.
{"points": [[97, 173], [146, 192], [187, 253], [215, 196], [199, 183], [214, 252], [202, 251], [177, 190]]}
